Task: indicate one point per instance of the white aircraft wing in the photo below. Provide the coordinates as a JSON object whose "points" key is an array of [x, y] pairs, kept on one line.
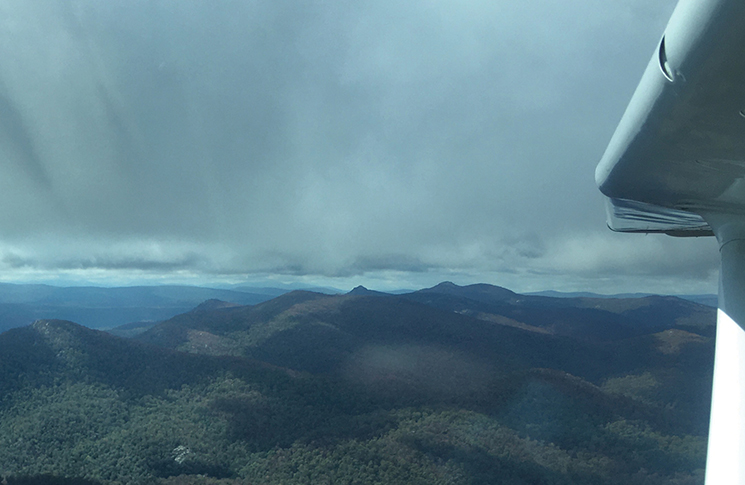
{"points": [[676, 164], [679, 150]]}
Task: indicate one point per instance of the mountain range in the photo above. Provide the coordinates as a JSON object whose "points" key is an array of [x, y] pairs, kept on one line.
{"points": [[450, 384], [140, 307]]}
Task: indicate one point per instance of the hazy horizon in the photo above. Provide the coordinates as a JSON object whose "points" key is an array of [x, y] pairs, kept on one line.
{"points": [[247, 286], [325, 143]]}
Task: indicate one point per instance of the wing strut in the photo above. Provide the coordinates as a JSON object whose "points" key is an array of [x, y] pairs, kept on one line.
{"points": [[725, 462]]}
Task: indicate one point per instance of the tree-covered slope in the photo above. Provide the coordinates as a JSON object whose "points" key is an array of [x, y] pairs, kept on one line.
{"points": [[310, 388], [599, 319]]}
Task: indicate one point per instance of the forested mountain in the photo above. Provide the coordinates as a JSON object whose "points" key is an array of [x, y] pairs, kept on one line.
{"points": [[584, 318], [445, 385]]}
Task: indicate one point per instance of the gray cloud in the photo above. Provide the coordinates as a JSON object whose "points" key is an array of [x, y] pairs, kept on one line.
{"points": [[317, 138]]}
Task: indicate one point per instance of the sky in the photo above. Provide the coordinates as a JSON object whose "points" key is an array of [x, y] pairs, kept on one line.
{"points": [[384, 143]]}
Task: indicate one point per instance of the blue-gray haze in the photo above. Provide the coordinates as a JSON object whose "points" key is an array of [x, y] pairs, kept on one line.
{"points": [[388, 143]]}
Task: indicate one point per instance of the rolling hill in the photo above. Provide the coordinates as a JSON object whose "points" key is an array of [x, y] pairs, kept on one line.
{"points": [[427, 387]]}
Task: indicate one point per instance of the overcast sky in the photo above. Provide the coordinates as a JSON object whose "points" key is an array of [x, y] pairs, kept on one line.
{"points": [[386, 143]]}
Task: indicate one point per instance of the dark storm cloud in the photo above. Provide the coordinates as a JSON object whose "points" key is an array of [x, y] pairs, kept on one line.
{"points": [[315, 137], [107, 262]]}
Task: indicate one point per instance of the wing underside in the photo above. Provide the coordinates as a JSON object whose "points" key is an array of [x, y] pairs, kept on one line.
{"points": [[631, 216]]}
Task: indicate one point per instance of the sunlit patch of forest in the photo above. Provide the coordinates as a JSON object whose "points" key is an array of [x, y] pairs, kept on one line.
{"points": [[405, 394]]}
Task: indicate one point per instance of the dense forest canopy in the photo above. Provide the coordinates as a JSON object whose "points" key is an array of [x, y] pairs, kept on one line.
{"points": [[449, 385]]}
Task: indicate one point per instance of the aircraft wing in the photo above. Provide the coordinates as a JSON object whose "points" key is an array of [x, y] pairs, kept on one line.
{"points": [[679, 150], [676, 164]]}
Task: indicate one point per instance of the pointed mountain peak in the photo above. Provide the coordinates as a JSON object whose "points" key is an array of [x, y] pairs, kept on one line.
{"points": [[362, 291], [445, 285]]}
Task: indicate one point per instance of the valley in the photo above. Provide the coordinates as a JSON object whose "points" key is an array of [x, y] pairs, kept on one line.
{"points": [[448, 384]]}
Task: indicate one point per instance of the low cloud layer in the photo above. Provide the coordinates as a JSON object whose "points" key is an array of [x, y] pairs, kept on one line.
{"points": [[320, 139]]}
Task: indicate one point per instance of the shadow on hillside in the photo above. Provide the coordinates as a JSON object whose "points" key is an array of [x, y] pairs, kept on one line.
{"points": [[483, 468]]}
